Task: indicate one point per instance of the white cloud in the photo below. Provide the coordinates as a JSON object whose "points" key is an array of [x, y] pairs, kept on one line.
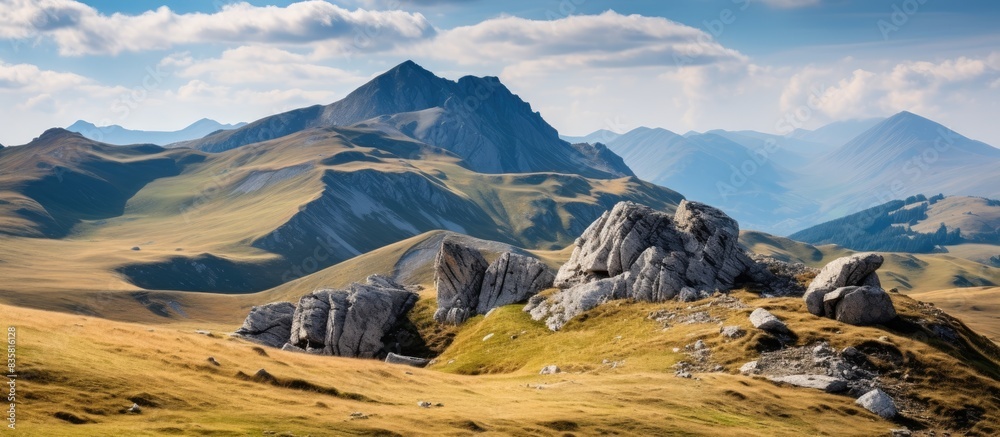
{"points": [[28, 77], [608, 40], [919, 86], [260, 65], [78, 29]]}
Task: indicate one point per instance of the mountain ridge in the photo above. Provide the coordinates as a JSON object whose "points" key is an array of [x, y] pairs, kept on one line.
{"points": [[478, 118], [118, 135]]}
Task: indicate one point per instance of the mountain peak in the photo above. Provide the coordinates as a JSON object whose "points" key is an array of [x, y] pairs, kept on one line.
{"points": [[56, 133], [408, 68], [81, 125]]}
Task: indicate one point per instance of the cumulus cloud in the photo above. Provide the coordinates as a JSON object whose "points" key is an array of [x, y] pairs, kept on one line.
{"points": [[29, 78], [919, 86], [608, 40], [78, 29], [260, 65]]}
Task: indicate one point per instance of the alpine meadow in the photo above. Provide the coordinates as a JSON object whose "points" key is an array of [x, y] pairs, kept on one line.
{"points": [[526, 218]]}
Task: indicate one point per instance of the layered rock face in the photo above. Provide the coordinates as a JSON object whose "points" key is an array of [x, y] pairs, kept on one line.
{"points": [[467, 286], [848, 290], [348, 323], [269, 324], [635, 252], [458, 278]]}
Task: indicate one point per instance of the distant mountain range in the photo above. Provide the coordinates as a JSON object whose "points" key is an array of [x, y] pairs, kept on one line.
{"points": [[115, 134], [782, 184]]}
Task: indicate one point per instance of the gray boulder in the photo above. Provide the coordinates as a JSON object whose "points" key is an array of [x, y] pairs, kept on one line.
{"points": [[512, 278], [864, 306], [612, 243], [879, 403], [360, 316], [309, 320], [458, 277], [351, 322], [698, 248], [559, 308], [653, 257], [855, 270], [269, 324], [551, 369], [393, 358], [763, 319], [733, 331], [828, 384]]}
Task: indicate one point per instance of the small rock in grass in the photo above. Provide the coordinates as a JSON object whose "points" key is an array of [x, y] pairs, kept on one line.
{"points": [[878, 402], [732, 332], [549, 370]]}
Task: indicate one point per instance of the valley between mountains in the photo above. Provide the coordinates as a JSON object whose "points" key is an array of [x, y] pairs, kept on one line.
{"points": [[269, 278]]}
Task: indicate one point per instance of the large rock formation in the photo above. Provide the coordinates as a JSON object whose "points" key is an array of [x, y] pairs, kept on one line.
{"points": [[349, 323], [562, 306], [860, 305], [458, 278], [467, 286], [512, 278], [269, 324], [848, 290], [855, 270], [635, 252]]}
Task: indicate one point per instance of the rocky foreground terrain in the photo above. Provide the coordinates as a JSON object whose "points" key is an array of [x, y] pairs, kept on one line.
{"points": [[635, 254]]}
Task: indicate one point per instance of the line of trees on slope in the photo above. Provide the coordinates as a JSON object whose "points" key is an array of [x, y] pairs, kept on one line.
{"points": [[883, 228]]}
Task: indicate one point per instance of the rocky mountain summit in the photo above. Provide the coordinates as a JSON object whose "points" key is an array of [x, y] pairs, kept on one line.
{"points": [[634, 252], [355, 322], [477, 118]]}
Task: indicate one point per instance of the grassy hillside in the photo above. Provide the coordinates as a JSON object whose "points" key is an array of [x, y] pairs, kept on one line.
{"points": [[979, 307], [917, 225], [910, 273], [76, 375], [259, 216]]}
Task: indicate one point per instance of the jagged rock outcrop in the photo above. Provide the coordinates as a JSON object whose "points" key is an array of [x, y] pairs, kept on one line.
{"points": [[269, 324], [467, 286], [563, 306], [635, 252], [512, 278], [458, 277], [350, 323], [848, 290], [855, 270]]}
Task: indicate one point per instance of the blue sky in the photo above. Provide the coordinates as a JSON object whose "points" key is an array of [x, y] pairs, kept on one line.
{"points": [[584, 64]]}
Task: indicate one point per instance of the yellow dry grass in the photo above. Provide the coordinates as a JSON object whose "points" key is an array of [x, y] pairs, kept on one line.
{"points": [[979, 307], [90, 369]]}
